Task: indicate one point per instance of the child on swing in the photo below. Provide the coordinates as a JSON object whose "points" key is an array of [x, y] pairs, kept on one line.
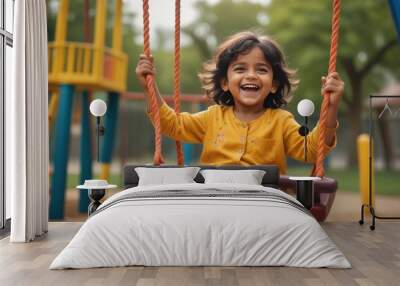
{"points": [[249, 82]]}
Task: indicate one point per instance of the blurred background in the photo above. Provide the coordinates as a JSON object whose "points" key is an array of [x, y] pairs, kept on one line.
{"points": [[368, 61]]}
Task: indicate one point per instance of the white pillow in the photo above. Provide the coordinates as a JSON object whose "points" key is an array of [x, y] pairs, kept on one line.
{"points": [[249, 177], [164, 176]]}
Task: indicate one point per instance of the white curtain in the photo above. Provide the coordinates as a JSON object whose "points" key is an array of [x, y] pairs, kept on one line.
{"points": [[27, 124]]}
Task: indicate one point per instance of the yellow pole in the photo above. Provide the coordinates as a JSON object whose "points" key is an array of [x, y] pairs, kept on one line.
{"points": [[99, 37], [105, 171], [117, 35], [61, 35], [364, 170], [61, 24], [53, 108]]}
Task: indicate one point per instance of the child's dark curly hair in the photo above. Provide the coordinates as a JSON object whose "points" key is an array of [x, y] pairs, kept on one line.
{"points": [[216, 70]]}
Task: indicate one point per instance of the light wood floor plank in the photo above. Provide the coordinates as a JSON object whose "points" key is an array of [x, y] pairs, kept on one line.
{"points": [[375, 257]]}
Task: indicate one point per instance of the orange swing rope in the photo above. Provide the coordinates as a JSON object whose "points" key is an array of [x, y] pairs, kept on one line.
{"points": [[319, 170], [158, 158], [177, 75]]}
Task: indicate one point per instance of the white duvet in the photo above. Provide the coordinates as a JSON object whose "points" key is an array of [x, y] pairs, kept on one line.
{"points": [[183, 231]]}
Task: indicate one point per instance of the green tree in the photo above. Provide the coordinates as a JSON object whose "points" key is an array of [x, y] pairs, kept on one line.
{"points": [[191, 63], [367, 49], [217, 21]]}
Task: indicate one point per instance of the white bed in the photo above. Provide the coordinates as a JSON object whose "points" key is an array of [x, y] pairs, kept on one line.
{"points": [[223, 225]]}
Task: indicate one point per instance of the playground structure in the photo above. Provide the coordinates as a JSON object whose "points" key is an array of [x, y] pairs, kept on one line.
{"points": [[83, 68]]}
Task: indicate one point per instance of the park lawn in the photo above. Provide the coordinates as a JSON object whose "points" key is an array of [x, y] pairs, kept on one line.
{"points": [[73, 180], [387, 182]]}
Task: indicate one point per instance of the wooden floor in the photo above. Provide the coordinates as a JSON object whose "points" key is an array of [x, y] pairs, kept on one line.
{"points": [[374, 255]]}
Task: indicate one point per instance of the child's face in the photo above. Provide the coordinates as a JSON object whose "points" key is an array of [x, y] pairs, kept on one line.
{"points": [[250, 80]]}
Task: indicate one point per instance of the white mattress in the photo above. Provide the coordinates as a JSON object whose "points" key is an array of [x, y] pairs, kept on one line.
{"points": [[183, 231]]}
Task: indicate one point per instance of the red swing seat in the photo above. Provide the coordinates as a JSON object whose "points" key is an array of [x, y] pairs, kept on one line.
{"points": [[324, 194]]}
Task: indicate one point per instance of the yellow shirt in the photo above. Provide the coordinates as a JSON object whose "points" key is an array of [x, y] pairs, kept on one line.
{"points": [[226, 140]]}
